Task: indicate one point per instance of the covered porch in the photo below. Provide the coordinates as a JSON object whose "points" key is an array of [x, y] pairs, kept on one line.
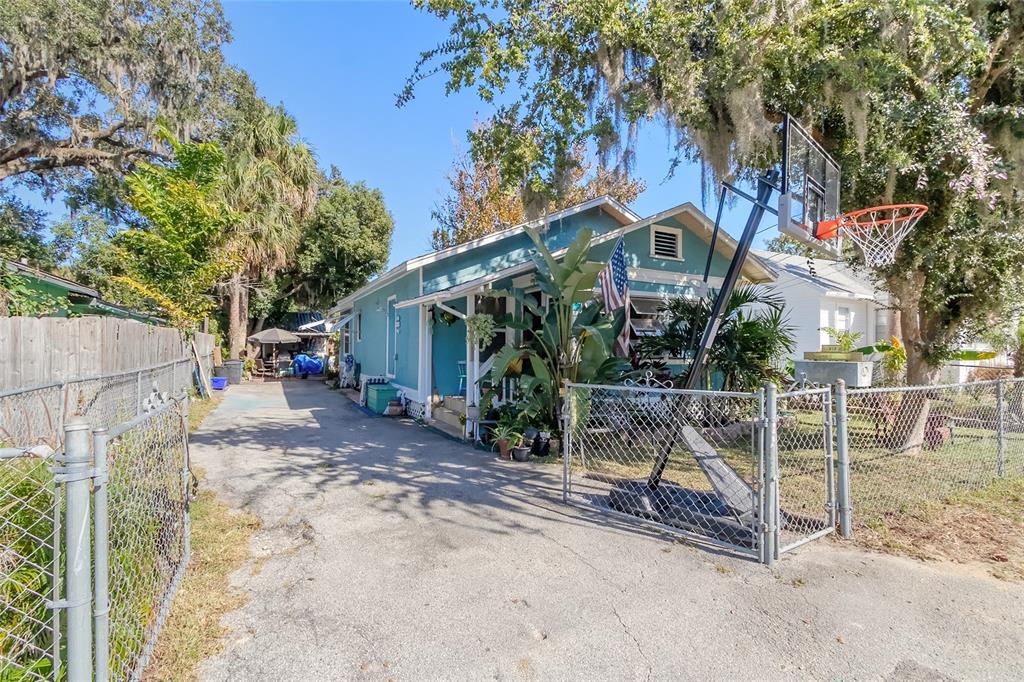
{"points": [[453, 369]]}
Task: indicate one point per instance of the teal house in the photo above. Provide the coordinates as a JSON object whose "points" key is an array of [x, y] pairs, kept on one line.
{"points": [[407, 327]]}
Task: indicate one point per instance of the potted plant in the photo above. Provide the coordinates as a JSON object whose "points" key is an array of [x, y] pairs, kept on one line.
{"points": [[506, 437], [521, 453]]}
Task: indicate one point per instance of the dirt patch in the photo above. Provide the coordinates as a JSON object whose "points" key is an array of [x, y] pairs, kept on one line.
{"points": [[985, 527], [220, 545]]}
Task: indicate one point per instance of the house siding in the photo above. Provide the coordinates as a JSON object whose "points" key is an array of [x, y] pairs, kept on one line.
{"points": [[372, 351], [638, 255], [511, 251]]}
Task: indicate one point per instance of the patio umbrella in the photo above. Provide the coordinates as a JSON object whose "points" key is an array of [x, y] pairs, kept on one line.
{"points": [[274, 336]]}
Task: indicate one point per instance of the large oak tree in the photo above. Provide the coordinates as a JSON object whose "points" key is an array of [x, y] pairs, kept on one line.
{"points": [[83, 82]]}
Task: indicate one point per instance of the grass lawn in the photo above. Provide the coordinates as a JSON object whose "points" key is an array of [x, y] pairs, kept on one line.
{"points": [[220, 545]]}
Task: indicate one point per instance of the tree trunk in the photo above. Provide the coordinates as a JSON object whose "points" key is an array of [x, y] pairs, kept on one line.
{"points": [[238, 315], [908, 434]]}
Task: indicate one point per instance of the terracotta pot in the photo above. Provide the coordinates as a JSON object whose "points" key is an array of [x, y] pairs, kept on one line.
{"points": [[503, 448]]}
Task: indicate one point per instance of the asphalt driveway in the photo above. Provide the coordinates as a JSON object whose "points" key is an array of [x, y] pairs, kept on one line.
{"points": [[389, 552]]}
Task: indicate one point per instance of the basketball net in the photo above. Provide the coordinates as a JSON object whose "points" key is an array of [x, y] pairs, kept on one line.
{"points": [[877, 231]]}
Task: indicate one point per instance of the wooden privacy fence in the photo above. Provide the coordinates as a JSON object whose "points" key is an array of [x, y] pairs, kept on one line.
{"points": [[37, 351]]}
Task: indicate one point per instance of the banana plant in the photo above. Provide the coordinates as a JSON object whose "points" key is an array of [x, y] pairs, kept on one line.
{"points": [[576, 339]]}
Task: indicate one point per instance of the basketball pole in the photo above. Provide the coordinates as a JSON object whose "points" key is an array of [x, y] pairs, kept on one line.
{"points": [[766, 184]]}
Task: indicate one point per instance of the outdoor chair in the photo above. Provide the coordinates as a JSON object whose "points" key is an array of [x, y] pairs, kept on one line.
{"points": [[262, 369]]}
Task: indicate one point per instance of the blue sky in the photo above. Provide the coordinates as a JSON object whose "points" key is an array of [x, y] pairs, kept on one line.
{"points": [[336, 66]]}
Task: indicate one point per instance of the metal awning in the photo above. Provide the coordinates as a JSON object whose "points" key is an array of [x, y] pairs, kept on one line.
{"points": [[340, 323], [646, 306]]}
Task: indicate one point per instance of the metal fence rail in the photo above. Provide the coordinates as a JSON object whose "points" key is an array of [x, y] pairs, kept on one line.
{"points": [[911, 446], [36, 415]]}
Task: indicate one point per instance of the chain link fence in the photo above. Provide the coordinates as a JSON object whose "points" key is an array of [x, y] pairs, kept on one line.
{"points": [[30, 505], [57, 561], [752, 472], [909, 446], [36, 415], [147, 530]]}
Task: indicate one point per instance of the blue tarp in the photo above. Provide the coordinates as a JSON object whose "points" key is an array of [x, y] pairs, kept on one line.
{"points": [[305, 364]]}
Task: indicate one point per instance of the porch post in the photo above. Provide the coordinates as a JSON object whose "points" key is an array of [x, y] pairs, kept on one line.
{"points": [[426, 356], [472, 365]]}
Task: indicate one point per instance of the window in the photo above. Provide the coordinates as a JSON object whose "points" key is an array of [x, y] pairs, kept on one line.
{"points": [[843, 318], [666, 242], [359, 326]]}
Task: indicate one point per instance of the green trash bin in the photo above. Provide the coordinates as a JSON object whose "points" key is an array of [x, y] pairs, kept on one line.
{"points": [[378, 395]]}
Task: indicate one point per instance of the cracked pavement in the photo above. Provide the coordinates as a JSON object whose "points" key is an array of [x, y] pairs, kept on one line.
{"points": [[388, 552]]}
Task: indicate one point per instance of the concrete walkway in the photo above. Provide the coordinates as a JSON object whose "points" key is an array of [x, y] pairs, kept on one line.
{"points": [[388, 552]]}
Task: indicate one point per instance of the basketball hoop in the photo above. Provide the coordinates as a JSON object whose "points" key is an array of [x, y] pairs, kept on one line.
{"points": [[877, 231]]}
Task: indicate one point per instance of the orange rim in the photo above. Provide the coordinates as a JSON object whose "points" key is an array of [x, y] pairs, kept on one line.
{"points": [[829, 229]]}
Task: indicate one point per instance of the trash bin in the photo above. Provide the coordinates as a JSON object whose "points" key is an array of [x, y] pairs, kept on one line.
{"points": [[234, 370], [378, 396], [220, 371]]}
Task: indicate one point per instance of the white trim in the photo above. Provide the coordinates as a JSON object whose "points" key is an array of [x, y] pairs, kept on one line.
{"points": [[679, 279], [423, 375], [472, 367], [616, 209], [453, 311], [389, 329], [409, 393], [625, 216], [676, 232]]}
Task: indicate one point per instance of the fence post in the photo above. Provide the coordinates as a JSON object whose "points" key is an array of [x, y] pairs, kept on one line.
{"points": [[770, 496], [830, 464], [566, 430], [843, 460], [77, 539], [1000, 430], [101, 532]]}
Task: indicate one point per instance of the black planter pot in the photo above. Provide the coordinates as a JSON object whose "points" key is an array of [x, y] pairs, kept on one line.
{"points": [[521, 454]]}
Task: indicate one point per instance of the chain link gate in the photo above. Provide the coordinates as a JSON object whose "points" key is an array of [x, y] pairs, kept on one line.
{"points": [[751, 472], [616, 436], [94, 531], [805, 464]]}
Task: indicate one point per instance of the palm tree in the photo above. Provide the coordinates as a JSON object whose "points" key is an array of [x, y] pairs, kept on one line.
{"points": [[753, 339], [271, 181]]}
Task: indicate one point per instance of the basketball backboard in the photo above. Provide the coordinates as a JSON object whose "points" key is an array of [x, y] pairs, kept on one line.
{"points": [[810, 188]]}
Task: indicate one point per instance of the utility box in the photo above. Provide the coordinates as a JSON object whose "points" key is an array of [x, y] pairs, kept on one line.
{"points": [[855, 374], [378, 395]]}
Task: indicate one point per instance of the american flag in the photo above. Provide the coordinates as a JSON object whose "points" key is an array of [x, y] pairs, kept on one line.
{"points": [[615, 290]]}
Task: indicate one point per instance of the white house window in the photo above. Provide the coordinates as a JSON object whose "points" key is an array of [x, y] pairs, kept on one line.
{"points": [[666, 242], [843, 318]]}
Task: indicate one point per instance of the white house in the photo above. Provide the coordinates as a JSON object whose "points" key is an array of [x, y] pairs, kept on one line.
{"points": [[824, 293]]}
